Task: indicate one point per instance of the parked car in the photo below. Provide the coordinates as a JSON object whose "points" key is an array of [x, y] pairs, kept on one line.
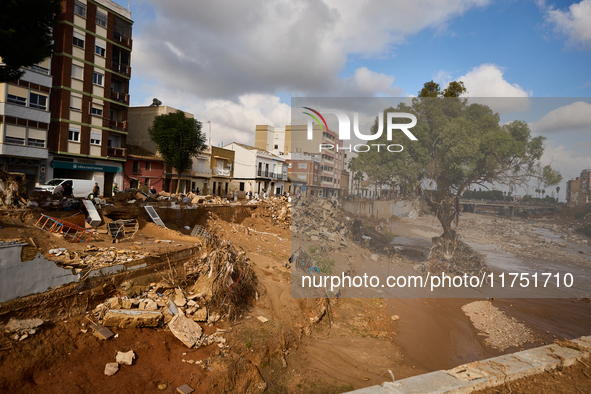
{"points": [[82, 188]]}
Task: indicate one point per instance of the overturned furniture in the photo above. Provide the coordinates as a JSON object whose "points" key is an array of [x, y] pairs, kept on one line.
{"points": [[69, 230], [123, 229]]}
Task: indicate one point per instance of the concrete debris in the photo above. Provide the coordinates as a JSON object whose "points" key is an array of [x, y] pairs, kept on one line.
{"points": [[316, 216], [132, 318], [186, 330], [125, 358], [262, 319], [111, 369], [94, 258], [22, 326], [185, 389]]}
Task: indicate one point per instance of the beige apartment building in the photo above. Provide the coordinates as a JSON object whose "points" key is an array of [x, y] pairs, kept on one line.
{"points": [[24, 123], [90, 95], [198, 178]]}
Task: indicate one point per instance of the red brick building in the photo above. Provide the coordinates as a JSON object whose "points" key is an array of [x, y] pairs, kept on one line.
{"points": [[142, 168]]}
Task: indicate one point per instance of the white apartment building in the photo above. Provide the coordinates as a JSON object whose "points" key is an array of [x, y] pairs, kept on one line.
{"points": [[257, 171]]}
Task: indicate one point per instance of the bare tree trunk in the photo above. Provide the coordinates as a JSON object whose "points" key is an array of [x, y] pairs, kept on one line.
{"points": [[178, 182], [446, 213]]}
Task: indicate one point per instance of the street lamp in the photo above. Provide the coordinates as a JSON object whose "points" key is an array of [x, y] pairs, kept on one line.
{"points": [[209, 121]]}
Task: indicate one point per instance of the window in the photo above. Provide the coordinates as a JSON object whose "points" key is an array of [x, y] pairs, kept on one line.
{"points": [[303, 165], [14, 140], [276, 146], [74, 135], [96, 137], [80, 8], [97, 79], [136, 167], [101, 19], [100, 47], [148, 166], [77, 72], [78, 40], [11, 98], [36, 142], [96, 111], [37, 101], [241, 186], [75, 103]]}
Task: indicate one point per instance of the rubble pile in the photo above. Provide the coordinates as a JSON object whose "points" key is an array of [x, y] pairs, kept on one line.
{"points": [[94, 257], [19, 330], [12, 189], [278, 209], [465, 260], [224, 277], [316, 216]]}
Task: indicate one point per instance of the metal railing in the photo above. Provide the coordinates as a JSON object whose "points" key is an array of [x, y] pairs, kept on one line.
{"points": [[118, 152], [113, 124]]}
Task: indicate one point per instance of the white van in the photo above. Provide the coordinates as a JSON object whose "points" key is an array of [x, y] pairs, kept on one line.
{"points": [[82, 188]]}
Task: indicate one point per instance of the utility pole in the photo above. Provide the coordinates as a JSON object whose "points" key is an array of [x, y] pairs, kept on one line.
{"points": [[209, 121]]}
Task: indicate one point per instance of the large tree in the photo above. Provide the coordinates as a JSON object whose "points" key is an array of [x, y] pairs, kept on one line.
{"points": [[179, 139], [26, 28], [459, 144]]}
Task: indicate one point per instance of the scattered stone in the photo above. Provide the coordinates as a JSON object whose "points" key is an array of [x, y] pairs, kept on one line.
{"points": [[186, 330], [375, 257], [125, 358], [111, 369], [395, 317], [16, 325], [131, 318], [200, 315], [162, 386]]}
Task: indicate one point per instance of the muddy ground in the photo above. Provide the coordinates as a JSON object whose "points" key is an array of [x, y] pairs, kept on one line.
{"points": [[299, 348]]}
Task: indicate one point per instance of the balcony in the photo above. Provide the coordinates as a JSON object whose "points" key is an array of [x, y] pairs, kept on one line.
{"points": [[116, 125], [119, 37], [202, 172], [121, 68], [264, 174], [221, 171], [117, 152], [121, 97]]}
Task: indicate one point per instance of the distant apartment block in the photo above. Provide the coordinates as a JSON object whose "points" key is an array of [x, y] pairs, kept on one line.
{"points": [[293, 140], [90, 96]]}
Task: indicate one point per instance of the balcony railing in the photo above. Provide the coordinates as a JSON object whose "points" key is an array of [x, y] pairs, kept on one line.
{"points": [[122, 39], [202, 171], [221, 171], [113, 124], [121, 68], [117, 152], [121, 97], [263, 174]]}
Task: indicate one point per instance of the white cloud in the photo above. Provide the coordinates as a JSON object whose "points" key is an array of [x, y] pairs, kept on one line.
{"points": [[567, 161], [227, 61], [574, 22], [230, 121], [225, 49], [572, 117], [487, 80]]}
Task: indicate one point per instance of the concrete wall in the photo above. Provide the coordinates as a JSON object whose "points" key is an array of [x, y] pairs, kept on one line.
{"points": [[19, 279], [378, 209]]}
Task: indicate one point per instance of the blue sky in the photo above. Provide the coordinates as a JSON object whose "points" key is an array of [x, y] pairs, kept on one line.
{"points": [[238, 64]]}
